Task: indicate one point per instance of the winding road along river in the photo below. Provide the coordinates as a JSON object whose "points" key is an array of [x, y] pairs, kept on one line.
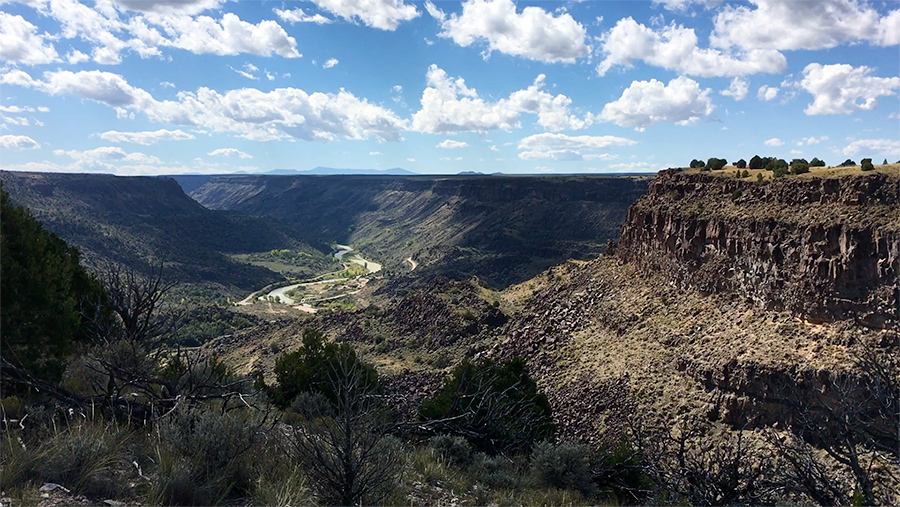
{"points": [[343, 250]]}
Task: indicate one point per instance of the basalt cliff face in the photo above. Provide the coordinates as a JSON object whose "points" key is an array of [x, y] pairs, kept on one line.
{"points": [[824, 249]]}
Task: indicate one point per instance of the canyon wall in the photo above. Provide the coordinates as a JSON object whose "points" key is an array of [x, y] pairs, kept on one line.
{"points": [[826, 249]]}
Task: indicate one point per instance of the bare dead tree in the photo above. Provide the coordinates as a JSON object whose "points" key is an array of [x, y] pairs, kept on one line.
{"points": [[695, 462], [854, 417], [138, 300], [132, 371], [347, 453]]}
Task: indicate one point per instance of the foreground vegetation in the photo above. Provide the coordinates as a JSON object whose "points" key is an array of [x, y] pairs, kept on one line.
{"points": [[137, 416]]}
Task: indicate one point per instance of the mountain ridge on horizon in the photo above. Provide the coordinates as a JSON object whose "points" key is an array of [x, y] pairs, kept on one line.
{"points": [[394, 171]]}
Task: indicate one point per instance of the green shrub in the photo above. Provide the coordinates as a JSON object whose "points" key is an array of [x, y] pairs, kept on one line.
{"points": [[44, 297], [799, 166], [496, 472], [564, 466], [496, 406], [11, 408], [456, 450], [716, 164], [203, 457], [779, 167], [312, 368], [866, 164]]}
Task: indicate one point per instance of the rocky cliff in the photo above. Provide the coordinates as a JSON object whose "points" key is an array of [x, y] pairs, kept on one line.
{"points": [[825, 249]]}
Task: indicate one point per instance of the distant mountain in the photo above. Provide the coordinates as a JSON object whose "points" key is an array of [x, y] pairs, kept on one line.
{"points": [[331, 171]]}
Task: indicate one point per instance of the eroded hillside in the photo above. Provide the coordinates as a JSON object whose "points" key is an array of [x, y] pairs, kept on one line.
{"points": [[136, 220], [502, 229]]}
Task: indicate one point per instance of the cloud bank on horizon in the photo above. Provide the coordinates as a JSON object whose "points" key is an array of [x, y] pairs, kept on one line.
{"points": [[216, 86]]}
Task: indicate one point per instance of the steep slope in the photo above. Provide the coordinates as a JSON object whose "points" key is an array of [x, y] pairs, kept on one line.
{"points": [[826, 249], [501, 229], [135, 219], [702, 313]]}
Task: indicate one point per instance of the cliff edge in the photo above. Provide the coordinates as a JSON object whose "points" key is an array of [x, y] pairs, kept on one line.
{"points": [[825, 249]]}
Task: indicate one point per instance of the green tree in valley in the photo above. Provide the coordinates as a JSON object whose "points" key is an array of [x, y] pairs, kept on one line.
{"points": [[310, 369], [43, 292]]}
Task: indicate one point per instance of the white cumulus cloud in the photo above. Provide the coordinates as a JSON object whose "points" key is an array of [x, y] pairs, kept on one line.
{"points": [[229, 152], [145, 138], [737, 89], [560, 147], [381, 14], [20, 42], [247, 112], [448, 105], [170, 6], [298, 16], [842, 88], [18, 143], [812, 140], [645, 103], [450, 144], [883, 147], [108, 154], [112, 29], [767, 92], [533, 33], [791, 25], [675, 47]]}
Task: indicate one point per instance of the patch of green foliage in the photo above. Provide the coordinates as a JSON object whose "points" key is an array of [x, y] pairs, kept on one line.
{"points": [[312, 369], [43, 295], [716, 164], [799, 166], [496, 406]]}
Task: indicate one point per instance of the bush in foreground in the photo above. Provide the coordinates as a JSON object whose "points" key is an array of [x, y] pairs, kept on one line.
{"points": [[496, 406]]}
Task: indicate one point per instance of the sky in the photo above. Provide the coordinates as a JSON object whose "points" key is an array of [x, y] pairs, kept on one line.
{"points": [[137, 87]]}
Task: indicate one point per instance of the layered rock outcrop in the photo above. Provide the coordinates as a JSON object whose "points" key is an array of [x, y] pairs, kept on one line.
{"points": [[826, 249]]}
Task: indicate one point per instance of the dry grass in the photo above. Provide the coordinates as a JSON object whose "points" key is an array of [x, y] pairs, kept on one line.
{"points": [[814, 172], [663, 339]]}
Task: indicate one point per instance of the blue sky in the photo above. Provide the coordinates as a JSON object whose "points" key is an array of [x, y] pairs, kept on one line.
{"points": [[215, 86]]}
